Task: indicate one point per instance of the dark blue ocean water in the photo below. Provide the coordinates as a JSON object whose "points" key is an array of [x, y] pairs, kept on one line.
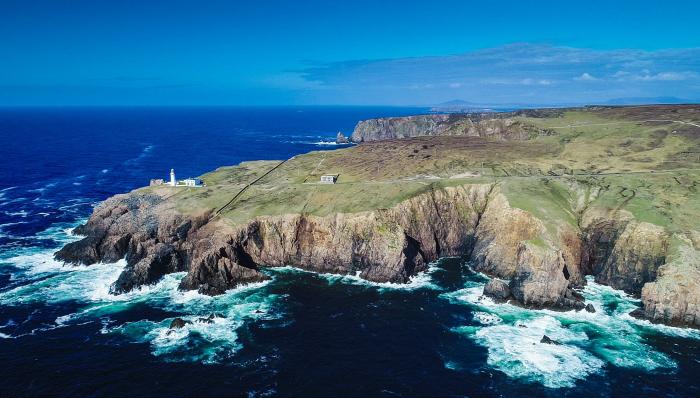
{"points": [[302, 334]]}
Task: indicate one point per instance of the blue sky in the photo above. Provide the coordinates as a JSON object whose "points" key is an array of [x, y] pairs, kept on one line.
{"points": [[356, 52]]}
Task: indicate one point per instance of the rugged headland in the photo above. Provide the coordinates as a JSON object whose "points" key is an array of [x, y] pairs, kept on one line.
{"points": [[536, 199]]}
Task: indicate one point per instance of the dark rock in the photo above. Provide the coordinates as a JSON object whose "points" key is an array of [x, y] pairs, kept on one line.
{"points": [[497, 289], [572, 300], [161, 260], [216, 273], [210, 318], [573, 295], [83, 251], [179, 323], [547, 340], [638, 313], [590, 308]]}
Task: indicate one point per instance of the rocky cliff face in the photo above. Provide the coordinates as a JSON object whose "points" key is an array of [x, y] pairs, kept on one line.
{"points": [[472, 125], [386, 245], [542, 266], [674, 297]]}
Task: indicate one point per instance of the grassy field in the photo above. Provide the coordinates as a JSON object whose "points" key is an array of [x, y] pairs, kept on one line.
{"points": [[640, 159]]}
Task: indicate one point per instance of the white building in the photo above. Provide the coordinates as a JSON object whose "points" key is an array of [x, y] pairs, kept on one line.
{"points": [[173, 182], [329, 179], [191, 182]]}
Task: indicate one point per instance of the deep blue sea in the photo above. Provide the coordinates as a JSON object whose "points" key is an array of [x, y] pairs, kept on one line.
{"points": [[300, 334]]}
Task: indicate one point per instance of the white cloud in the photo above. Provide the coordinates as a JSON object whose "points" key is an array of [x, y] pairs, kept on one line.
{"points": [[647, 76], [530, 81], [585, 76], [512, 73]]}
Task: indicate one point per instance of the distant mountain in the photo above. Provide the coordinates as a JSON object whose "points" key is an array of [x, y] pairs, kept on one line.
{"points": [[460, 106], [455, 102], [648, 100], [463, 106]]}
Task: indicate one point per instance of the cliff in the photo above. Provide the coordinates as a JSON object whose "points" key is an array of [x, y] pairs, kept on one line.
{"points": [[400, 204], [391, 245], [471, 125]]}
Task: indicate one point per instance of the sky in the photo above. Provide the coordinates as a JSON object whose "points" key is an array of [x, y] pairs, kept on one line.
{"points": [[269, 52]]}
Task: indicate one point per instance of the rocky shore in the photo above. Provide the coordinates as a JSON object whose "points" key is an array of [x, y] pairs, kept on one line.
{"points": [[391, 245]]}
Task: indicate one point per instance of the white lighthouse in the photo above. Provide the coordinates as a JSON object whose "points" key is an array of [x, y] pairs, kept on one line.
{"points": [[173, 182]]}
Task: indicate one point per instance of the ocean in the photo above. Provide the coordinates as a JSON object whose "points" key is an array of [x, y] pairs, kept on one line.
{"points": [[299, 334]]}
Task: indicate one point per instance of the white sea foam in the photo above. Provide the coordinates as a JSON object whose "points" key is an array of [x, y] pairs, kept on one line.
{"points": [[144, 153], [202, 339], [197, 342], [518, 352], [33, 261], [422, 280], [20, 213], [44, 188], [588, 341], [48, 281], [600, 295], [486, 318], [82, 283], [11, 201], [315, 140]]}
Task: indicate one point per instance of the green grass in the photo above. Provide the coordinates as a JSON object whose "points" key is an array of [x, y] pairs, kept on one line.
{"points": [[641, 168]]}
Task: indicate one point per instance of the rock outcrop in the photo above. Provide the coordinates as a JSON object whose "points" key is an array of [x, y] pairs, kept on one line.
{"points": [[178, 323], [341, 139], [674, 297], [497, 290], [637, 254], [548, 340], [471, 125]]}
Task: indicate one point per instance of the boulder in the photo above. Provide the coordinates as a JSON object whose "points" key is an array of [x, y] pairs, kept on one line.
{"points": [[497, 289], [547, 340], [178, 323]]}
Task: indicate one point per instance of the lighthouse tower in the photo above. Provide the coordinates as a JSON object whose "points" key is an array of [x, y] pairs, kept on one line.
{"points": [[172, 177]]}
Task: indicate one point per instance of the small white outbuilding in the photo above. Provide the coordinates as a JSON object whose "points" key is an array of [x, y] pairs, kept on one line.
{"points": [[329, 179], [192, 182]]}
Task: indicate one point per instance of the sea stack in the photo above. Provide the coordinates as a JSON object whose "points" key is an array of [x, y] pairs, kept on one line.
{"points": [[341, 139]]}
